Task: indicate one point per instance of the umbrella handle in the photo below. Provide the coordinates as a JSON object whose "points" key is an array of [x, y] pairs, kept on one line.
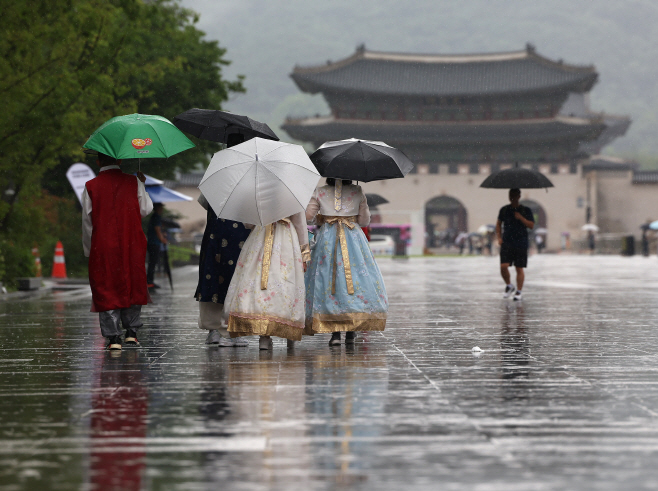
{"points": [[139, 165]]}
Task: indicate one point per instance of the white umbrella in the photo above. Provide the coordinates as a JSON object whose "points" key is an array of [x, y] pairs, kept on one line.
{"points": [[589, 227], [259, 181]]}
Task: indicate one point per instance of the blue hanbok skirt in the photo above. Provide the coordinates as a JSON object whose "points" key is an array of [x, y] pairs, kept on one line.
{"points": [[366, 308]]}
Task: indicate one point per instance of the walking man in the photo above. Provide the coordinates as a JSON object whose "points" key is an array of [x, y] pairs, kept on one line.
{"points": [[113, 204], [512, 226]]}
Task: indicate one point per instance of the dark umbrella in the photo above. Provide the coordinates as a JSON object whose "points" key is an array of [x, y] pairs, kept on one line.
{"points": [[361, 160], [375, 200], [216, 126], [516, 178]]}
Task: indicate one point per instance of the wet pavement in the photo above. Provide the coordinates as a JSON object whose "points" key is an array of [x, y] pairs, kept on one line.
{"points": [[564, 395]]}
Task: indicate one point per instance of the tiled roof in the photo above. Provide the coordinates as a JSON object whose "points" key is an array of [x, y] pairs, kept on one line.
{"points": [[645, 177], [437, 133], [438, 75], [607, 163]]}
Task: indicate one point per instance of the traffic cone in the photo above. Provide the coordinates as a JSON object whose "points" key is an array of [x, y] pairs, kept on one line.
{"points": [[59, 266]]}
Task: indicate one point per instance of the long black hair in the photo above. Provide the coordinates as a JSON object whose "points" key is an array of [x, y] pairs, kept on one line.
{"points": [[331, 181]]}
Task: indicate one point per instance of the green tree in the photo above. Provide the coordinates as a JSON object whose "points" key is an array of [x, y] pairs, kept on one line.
{"points": [[66, 66]]}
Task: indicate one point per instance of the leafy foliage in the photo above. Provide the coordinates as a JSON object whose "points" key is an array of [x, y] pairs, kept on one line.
{"points": [[66, 66]]}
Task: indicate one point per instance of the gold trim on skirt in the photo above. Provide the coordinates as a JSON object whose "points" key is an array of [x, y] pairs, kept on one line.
{"points": [[345, 322], [262, 325]]}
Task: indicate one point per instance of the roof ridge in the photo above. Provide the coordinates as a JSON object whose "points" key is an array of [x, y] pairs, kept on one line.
{"points": [[363, 54], [568, 120]]}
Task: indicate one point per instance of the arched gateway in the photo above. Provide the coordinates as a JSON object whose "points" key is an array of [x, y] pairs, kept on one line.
{"points": [[445, 217]]}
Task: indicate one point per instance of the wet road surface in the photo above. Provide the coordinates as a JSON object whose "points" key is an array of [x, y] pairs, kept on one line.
{"points": [[564, 396]]}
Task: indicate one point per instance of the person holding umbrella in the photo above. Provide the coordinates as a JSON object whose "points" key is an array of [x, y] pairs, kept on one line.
{"points": [[514, 220], [266, 184], [345, 289], [512, 226], [113, 204], [223, 238]]}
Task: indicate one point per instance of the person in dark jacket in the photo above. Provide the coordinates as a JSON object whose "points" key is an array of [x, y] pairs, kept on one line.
{"points": [[220, 248], [512, 226], [155, 239]]}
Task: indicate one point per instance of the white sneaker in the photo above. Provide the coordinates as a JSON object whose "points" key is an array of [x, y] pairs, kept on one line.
{"points": [[225, 343], [518, 296], [213, 337], [509, 291], [240, 342], [265, 343]]}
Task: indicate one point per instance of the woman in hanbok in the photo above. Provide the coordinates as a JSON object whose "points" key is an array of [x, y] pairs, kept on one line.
{"points": [[220, 248], [344, 288], [266, 294]]}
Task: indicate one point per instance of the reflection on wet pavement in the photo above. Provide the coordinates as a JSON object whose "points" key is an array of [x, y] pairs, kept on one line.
{"points": [[564, 395]]}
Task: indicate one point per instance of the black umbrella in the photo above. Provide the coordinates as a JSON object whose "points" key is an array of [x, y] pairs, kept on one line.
{"points": [[360, 160], [516, 178], [216, 126], [375, 200]]}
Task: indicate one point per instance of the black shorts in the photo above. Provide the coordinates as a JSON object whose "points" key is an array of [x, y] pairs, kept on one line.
{"points": [[514, 256]]}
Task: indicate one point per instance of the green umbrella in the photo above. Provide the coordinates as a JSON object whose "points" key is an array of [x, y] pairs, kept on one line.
{"points": [[138, 136]]}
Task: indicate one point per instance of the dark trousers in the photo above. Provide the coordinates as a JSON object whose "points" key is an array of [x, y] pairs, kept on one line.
{"points": [[154, 257], [111, 319]]}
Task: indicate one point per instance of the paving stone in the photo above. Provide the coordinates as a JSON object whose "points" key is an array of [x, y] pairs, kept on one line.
{"points": [[563, 396]]}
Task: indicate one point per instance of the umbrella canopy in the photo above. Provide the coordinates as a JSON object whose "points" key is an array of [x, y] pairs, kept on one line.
{"points": [[589, 227], [516, 177], [162, 194], [361, 160], [375, 200], [259, 181], [484, 229], [541, 231], [654, 225], [138, 136], [213, 125], [159, 193]]}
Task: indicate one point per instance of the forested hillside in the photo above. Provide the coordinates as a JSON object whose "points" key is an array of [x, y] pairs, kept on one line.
{"points": [[267, 38]]}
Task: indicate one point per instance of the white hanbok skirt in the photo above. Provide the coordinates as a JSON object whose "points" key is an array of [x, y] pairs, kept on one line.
{"points": [[277, 310]]}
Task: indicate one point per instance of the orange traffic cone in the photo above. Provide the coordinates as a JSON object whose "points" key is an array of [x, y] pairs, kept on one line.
{"points": [[59, 266]]}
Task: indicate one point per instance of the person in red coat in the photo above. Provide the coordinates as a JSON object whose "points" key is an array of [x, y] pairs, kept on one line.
{"points": [[113, 204]]}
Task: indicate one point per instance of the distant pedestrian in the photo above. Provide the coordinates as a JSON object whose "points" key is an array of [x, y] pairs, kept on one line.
{"points": [[645, 238], [512, 226], [113, 204], [155, 240], [539, 242], [591, 241]]}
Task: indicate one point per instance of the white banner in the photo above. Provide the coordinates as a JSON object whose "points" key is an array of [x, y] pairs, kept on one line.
{"points": [[78, 175]]}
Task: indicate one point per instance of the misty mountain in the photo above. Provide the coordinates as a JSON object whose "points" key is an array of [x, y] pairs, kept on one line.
{"points": [[266, 39]]}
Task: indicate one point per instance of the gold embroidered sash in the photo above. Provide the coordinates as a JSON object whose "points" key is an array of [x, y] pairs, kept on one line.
{"points": [[340, 223], [267, 251]]}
